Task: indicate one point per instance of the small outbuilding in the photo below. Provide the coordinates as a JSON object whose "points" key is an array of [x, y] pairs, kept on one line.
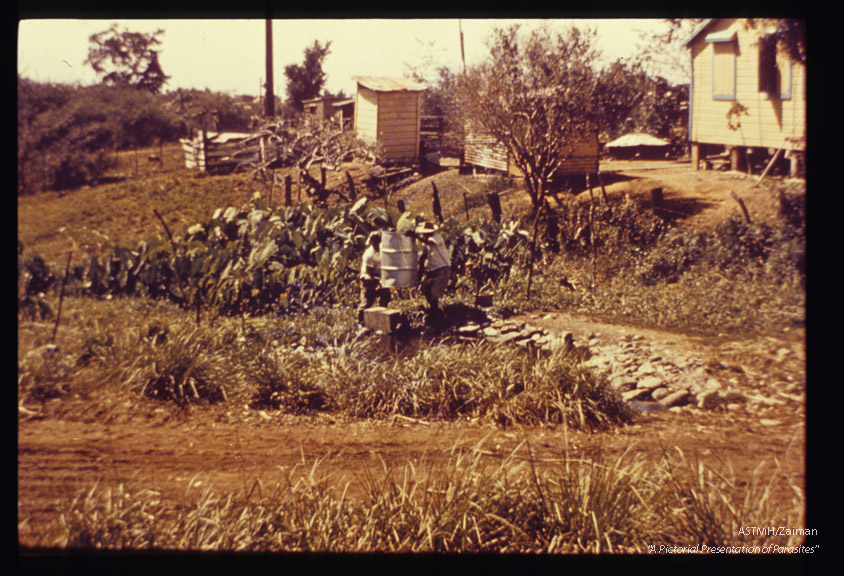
{"points": [[639, 146], [323, 109], [388, 111], [483, 150]]}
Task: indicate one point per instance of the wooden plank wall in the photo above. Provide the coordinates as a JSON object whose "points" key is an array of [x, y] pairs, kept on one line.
{"points": [[398, 124], [366, 114], [486, 152], [769, 122], [210, 156]]}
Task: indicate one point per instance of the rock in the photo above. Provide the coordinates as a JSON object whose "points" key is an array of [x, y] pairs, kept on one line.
{"points": [[646, 407], [562, 342], [709, 400], [711, 385], [766, 422], [469, 330], [645, 369], [678, 398], [490, 332], [597, 361], [622, 383], [660, 393], [650, 383], [636, 394]]}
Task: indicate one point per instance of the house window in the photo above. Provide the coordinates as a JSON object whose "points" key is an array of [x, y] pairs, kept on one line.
{"points": [[774, 70], [724, 70]]}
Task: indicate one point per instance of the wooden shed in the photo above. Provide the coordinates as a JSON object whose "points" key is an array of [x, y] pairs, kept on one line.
{"points": [[323, 109], [746, 93], [388, 111], [485, 151]]}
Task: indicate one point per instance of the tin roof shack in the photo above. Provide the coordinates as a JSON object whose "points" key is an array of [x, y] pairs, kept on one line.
{"points": [[388, 111], [746, 93], [638, 146], [323, 109], [485, 151]]}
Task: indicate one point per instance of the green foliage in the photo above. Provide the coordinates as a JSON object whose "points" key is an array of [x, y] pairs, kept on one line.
{"points": [[306, 80], [182, 365], [233, 113], [35, 279], [125, 58], [66, 135], [538, 109]]}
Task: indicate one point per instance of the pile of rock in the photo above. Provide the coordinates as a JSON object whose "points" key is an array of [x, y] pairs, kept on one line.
{"points": [[646, 377]]}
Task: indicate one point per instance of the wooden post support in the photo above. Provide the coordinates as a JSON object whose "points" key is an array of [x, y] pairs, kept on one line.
{"points": [[794, 171], [695, 157], [603, 188], [495, 205], [769, 166], [734, 158], [351, 183], [741, 205], [656, 196], [438, 211]]}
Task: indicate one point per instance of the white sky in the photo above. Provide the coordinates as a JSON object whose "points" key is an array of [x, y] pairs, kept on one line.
{"points": [[229, 55]]}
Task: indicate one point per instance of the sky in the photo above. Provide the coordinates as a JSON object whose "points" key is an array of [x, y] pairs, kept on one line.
{"points": [[229, 55]]}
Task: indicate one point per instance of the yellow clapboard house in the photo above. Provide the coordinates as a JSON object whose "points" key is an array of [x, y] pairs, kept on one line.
{"points": [[746, 93]]}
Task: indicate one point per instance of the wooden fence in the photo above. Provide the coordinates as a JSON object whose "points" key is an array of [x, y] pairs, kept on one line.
{"points": [[222, 151]]}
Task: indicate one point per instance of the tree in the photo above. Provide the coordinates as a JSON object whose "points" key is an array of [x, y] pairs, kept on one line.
{"points": [[306, 80], [127, 58], [538, 97], [664, 53]]}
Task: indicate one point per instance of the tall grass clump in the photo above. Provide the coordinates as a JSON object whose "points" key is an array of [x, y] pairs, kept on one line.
{"points": [[458, 502], [181, 363], [478, 381]]}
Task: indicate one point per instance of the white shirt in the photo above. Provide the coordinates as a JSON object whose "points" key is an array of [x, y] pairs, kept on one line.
{"points": [[371, 260], [436, 252]]}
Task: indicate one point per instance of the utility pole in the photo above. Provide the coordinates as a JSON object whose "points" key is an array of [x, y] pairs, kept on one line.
{"points": [[462, 53], [269, 100]]}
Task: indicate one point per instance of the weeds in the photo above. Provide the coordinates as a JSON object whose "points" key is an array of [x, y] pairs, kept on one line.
{"points": [[619, 504]]}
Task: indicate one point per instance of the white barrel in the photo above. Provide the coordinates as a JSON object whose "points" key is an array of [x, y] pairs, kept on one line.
{"points": [[399, 264]]}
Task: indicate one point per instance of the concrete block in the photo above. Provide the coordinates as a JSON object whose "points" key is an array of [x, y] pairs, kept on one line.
{"points": [[386, 320]]}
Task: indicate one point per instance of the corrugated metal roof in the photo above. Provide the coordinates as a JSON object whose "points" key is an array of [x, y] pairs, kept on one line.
{"points": [[344, 102], [383, 84], [630, 140]]}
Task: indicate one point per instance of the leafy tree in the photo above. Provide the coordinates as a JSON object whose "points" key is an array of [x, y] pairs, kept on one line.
{"points": [[127, 58], [306, 80], [233, 113], [66, 133], [538, 96]]}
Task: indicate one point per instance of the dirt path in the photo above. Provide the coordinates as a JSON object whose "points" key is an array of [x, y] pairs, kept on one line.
{"points": [[699, 199]]}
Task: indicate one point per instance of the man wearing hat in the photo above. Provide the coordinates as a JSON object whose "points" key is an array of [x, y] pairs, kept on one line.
{"points": [[370, 277], [438, 271]]}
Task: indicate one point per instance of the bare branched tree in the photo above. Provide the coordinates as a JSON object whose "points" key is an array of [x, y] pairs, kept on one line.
{"points": [[303, 144]]}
